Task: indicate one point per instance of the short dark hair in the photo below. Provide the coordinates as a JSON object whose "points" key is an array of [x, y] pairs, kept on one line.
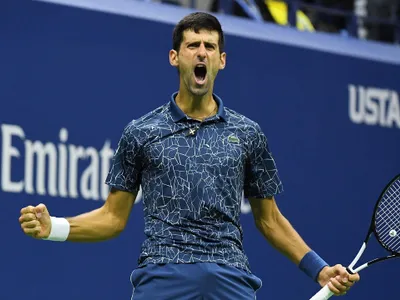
{"points": [[196, 22]]}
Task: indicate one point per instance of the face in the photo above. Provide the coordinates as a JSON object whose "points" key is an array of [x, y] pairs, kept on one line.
{"points": [[198, 61]]}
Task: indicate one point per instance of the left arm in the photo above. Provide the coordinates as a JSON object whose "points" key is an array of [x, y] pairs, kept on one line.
{"points": [[261, 183], [277, 229], [282, 236]]}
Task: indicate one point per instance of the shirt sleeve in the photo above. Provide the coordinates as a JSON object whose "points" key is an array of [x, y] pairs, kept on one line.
{"points": [[261, 174], [125, 170]]}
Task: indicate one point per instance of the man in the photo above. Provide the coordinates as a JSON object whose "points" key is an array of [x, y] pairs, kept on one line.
{"points": [[194, 158]]}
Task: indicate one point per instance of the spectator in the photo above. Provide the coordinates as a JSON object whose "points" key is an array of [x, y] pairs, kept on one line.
{"points": [[275, 11]]}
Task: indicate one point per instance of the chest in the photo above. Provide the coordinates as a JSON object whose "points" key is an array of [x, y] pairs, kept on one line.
{"points": [[209, 150]]}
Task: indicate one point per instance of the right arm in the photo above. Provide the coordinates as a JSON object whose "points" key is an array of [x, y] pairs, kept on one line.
{"points": [[107, 221], [100, 224]]}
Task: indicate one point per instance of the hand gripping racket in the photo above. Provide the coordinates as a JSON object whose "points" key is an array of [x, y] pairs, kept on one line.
{"points": [[385, 225]]}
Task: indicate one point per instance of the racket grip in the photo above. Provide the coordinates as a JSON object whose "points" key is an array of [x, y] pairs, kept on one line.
{"points": [[323, 294]]}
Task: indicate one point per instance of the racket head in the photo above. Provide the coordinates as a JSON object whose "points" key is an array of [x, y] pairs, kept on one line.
{"points": [[386, 218]]}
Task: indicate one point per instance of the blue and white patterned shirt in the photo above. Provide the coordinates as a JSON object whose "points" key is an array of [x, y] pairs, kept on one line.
{"points": [[193, 175]]}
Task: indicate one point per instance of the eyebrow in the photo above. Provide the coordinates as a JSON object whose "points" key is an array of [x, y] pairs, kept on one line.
{"points": [[205, 43]]}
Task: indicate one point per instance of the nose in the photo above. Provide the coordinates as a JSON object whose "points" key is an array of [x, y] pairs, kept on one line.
{"points": [[202, 53]]}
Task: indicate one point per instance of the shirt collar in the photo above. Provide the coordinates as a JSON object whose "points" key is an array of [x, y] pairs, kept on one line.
{"points": [[178, 114]]}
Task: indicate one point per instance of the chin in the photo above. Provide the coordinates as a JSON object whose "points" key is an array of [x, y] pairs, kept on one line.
{"points": [[199, 91]]}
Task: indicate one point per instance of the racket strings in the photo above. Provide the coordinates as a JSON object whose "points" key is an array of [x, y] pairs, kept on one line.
{"points": [[387, 209], [388, 224], [387, 218], [392, 211]]}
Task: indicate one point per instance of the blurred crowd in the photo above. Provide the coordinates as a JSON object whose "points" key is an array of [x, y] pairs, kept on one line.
{"points": [[375, 21]]}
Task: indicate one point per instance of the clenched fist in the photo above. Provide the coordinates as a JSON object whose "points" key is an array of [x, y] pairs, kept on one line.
{"points": [[35, 221]]}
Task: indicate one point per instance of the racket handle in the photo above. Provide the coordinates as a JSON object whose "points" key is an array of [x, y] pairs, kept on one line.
{"points": [[323, 294]]}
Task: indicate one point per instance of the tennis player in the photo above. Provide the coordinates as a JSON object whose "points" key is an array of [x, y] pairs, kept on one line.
{"points": [[193, 158]]}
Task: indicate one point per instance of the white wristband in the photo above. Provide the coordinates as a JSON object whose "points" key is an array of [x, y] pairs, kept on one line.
{"points": [[59, 230]]}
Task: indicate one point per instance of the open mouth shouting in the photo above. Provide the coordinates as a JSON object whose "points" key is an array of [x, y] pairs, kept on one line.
{"points": [[200, 74]]}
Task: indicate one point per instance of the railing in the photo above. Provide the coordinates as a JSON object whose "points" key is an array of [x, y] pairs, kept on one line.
{"points": [[356, 21]]}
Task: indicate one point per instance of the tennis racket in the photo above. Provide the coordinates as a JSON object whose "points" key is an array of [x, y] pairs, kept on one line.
{"points": [[385, 225]]}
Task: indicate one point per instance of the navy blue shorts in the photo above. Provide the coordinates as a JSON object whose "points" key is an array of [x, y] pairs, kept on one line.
{"points": [[196, 281]]}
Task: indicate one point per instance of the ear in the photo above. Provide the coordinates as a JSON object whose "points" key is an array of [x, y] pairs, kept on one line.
{"points": [[222, 61], [173, 58]]}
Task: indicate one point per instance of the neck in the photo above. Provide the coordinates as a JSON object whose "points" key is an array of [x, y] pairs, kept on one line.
{"points": [[196, 107]]}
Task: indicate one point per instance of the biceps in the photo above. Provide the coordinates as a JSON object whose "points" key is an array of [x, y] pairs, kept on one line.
{"points": [[265, 211], [119, 205]]}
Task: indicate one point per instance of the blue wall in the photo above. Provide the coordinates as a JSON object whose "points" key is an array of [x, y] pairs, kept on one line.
{"points": [[76, 77]]}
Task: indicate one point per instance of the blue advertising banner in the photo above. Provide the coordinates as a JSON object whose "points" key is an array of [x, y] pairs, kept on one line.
{"points": [[72, 75]]}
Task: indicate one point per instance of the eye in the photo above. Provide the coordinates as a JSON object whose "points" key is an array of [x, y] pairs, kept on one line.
{"points": [[193, 46]]}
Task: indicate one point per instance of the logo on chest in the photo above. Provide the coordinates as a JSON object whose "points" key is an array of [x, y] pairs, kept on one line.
{"points": [[233, 139]]}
